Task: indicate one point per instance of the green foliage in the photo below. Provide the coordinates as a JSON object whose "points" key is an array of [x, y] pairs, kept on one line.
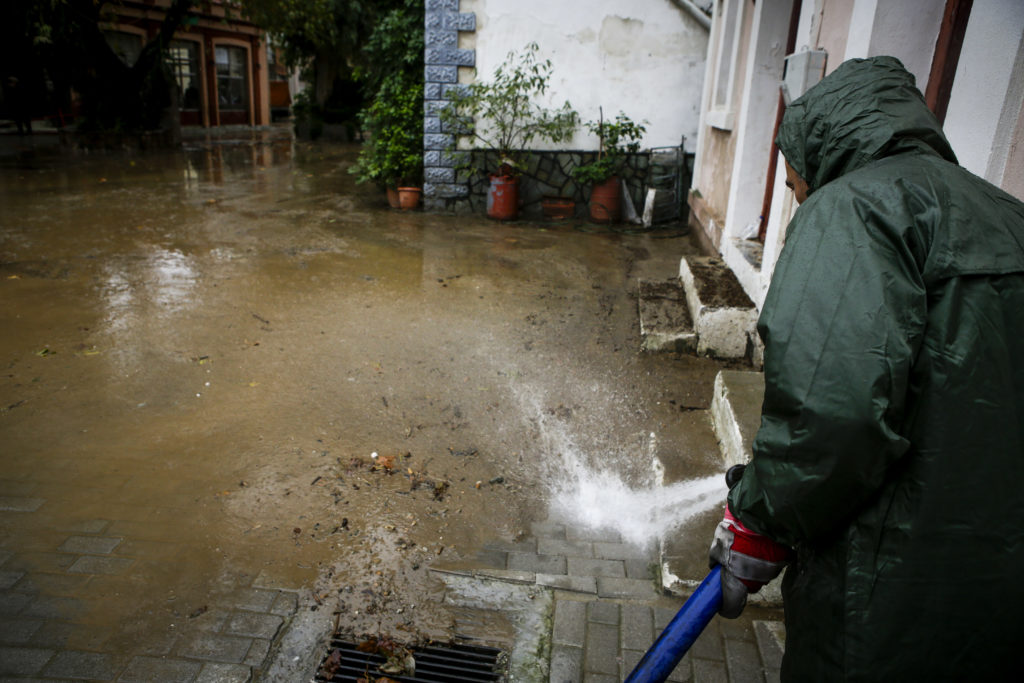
{"points": [[502, 113], [59, 45], [396, 45], [308, 115], [308, 28], [393, 73], [394, 153], [618, 139]]}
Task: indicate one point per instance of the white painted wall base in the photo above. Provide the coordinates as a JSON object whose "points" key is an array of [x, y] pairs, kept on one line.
{"points": [[722, 332]]}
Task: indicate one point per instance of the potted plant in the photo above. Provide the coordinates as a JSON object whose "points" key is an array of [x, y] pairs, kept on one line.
{"points": [[393, 156], [504, 116], [391, 71], [618, 138]]}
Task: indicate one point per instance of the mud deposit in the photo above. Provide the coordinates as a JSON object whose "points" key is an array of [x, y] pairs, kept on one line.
{"points": [[246, 371]]}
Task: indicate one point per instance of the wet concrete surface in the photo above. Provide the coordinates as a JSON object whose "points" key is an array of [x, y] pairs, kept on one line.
{"points": [[236, 385]]}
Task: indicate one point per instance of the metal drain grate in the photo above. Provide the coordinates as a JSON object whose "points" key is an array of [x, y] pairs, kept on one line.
{"points": [[434, 664]]}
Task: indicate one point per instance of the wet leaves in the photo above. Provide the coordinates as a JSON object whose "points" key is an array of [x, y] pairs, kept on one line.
{"points": [[385, 463], [419, 480], [399, 660], [333, 663]]}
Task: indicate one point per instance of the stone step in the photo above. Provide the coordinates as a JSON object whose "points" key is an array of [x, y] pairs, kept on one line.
{"points": [[724, 317], [736, 415], [665, 323]]}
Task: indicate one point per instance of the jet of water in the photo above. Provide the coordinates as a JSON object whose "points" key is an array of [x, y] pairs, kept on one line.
{"points": [[603, 498]]}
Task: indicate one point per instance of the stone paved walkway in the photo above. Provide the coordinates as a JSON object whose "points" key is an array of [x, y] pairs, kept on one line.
{"points": [[47, 590], [607, 610]]}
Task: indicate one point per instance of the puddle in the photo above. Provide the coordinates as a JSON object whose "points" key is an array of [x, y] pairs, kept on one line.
{"points": [[203, 348]]}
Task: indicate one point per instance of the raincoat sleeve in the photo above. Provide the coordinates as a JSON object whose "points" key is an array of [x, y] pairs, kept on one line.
{"points": [[842, 322]]}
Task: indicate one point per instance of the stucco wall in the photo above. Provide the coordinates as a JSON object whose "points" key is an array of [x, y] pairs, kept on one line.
{"points": [[645, 58], [987, 83], [831, 32]]}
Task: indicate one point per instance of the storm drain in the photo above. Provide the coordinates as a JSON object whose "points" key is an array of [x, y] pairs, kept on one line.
{"points": [[457, 663]]}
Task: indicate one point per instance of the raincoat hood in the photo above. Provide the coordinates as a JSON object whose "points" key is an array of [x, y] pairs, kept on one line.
{"points": [[891, 447], [867, 109]]}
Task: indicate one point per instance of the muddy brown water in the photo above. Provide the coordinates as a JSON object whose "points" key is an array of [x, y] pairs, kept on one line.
{"points": [[202, 350]]}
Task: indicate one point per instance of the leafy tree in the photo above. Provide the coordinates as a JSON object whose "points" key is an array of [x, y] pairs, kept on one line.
{"points": [[324, 36], [503, 113], [61, 41], [394, 48], [392, 73]]}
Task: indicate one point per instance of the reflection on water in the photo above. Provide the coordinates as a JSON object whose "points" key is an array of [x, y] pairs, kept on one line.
{"points": [[173, 278], [139, 298], [166, 278], [217, 163], [193, 337]]}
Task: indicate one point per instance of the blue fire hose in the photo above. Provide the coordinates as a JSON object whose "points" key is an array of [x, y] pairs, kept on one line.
{"points": [[695, 614]]}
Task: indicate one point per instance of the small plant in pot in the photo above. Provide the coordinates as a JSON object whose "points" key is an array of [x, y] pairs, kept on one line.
{"points": [[503, 116], [393, 157], [618, 138]]}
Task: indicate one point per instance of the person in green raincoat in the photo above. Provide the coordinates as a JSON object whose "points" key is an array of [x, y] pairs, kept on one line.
{"points": [[890, 456]]}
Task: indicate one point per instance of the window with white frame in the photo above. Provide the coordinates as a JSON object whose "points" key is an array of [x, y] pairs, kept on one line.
{"points": [[722, 110], [183, 58], [232, 85]]}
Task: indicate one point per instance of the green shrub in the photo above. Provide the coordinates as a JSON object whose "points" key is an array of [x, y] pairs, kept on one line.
{"points": [[618, 139], [502, 113]]}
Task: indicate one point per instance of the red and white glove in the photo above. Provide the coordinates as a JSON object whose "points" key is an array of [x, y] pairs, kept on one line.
{"points": [[749, 561]]}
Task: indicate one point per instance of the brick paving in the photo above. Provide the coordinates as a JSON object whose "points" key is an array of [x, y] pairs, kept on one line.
{"points": [[608, 610], [48, 585]]}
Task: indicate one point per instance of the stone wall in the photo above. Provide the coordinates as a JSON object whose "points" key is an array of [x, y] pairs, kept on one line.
{"points": [[442, 59], [549, 173], [449, 185]]}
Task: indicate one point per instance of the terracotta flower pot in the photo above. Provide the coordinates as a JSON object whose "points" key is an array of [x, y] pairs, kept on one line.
{"points": [[393, 200], [557, 208], [409, 197], [606, 201]]}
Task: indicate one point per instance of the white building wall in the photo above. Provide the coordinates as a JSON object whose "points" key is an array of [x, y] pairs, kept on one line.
{"points": [[759, 109], [988, 89], [645, 58]]}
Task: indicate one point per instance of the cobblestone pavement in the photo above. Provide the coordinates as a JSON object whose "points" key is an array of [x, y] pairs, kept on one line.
{"points": [[607, 610], [206, 349], [46, 592]]}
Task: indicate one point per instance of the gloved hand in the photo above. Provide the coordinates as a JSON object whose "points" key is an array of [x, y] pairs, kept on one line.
{"points": [[749, 561]]}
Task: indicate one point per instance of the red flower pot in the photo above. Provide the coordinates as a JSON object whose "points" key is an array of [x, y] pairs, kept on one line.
{"points": [[503, 198], [606, 201], [557, 208], [393, 201], [409, 197]]}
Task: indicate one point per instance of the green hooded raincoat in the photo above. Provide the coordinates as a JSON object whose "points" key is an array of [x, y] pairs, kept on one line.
{"points": [[891, 447]]}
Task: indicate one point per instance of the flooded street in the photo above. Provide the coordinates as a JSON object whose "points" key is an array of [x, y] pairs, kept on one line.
{"points": [[229, 373]]}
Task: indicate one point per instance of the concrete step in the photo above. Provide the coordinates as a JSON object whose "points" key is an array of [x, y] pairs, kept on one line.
{"points": [[724, 317], [736, 415], [665, 323]]}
